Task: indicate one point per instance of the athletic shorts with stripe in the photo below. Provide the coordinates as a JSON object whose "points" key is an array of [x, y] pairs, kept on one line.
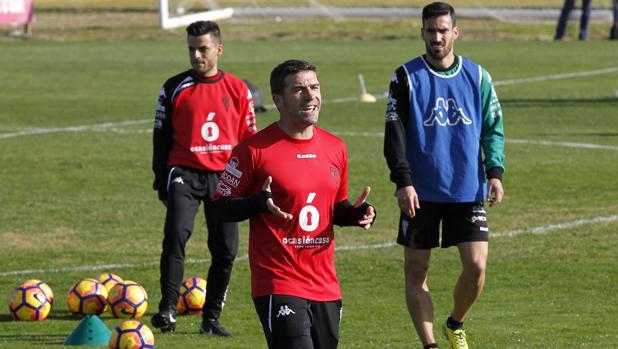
{"points": [[461, 222], [297, 323]]}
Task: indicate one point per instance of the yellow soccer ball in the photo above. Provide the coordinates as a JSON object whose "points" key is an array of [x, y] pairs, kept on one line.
{"points": [[131, 334], [128, 299], [29, 302], [87, 297]]}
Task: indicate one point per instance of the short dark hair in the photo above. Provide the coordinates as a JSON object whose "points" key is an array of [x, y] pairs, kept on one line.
{"points": [[289, 67], [200, 28], [437, 9]]}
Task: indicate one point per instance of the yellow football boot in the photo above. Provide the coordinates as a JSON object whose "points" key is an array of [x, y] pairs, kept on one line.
{"points": [[456, 338]]}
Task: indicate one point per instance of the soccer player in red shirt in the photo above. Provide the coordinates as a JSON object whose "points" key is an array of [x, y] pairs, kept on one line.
{"points": [[201, 115], [290, 179]]}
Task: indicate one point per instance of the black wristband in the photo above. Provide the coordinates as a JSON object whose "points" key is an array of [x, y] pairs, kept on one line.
{"points": [[495, 172]]}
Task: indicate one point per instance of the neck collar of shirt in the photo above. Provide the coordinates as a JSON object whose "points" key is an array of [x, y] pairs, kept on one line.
{"points": [[296, 140], [444, 71], [209, 79]]}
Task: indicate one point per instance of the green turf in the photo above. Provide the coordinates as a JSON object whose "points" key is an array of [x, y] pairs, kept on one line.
{"points": [[83, 197]]}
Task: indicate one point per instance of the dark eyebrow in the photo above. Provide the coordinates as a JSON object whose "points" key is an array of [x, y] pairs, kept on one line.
{"points": [[436, 29]]}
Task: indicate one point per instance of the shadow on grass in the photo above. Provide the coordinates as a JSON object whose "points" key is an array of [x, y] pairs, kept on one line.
{"points": [[40, 339], [63, 316], [55, 315]]}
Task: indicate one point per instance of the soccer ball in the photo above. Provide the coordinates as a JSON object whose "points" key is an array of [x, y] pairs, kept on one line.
{"points": [[128, 299], [131, 334], [192, 296], [29, 302], [87, 297], [108, 280], [44, 287]]}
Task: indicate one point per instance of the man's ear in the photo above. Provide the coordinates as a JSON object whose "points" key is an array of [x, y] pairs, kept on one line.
{"points": [[278, 100]]}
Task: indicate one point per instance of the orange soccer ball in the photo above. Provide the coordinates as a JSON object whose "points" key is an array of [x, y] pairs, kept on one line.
{"points": [[31, 301], [131, 334], [87, 297], [192, 296], [128, 299]]}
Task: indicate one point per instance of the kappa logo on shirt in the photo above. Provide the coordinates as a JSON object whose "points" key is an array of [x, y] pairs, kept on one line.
{"points": [[284, 310], [447, 113], [306, 156], [391, 109], [178, 180]]}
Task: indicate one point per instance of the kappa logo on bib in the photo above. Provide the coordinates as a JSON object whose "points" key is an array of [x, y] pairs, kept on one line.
{"points": [[446, 113]]}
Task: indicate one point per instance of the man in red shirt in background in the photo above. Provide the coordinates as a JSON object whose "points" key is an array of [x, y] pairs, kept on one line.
{"points": [[290, 179], [201, 115]]}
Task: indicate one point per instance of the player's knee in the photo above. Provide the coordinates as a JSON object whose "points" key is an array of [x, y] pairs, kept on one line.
{"points": [[416, 272], [475, 271]]}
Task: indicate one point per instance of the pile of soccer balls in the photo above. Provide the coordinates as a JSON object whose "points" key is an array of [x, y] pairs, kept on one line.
{"points": [[33, 301], [124, 299]]}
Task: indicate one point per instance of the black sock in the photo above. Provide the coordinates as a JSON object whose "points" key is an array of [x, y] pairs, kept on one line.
{"points": [[432, 345], [452, 324]]}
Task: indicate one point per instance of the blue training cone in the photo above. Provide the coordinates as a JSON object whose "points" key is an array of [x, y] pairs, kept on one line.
{"points": [[90, 331]]}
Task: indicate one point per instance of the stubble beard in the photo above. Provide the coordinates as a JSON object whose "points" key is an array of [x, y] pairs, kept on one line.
{"points": [[431, 52]]}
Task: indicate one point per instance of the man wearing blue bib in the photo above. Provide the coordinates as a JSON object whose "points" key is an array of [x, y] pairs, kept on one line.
{"points": [[444, 145]]}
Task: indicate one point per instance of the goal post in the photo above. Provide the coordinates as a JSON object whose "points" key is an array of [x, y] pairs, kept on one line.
{"points": [[167, 22]]}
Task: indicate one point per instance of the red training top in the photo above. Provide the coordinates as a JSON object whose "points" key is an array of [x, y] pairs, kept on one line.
{"points": [[294, 257], [210, 116]]}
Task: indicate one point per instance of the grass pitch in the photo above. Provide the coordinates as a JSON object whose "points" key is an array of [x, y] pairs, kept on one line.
{"points": [[75, 193]]}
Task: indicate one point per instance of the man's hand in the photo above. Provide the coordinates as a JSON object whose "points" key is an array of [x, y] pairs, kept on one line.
{"points": [[274, 209], [367, 218], [407, 199], [494, 191]]}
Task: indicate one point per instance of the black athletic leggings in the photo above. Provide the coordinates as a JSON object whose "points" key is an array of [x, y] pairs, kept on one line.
{"points": [[187, 188]]}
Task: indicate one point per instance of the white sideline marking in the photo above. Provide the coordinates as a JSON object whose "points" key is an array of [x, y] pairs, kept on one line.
{"points": [[109, 126], [508, 140], [564, 144], [96, 127], [558, 76], [546, 229], [553, 227]]}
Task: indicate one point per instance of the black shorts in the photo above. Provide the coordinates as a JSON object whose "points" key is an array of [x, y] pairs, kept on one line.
{"points": [[461, 222], [297, 323]]}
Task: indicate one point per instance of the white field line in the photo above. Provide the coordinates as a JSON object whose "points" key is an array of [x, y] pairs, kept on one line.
{"points": [[546, 229], [109, 126], [572, 75], [564, 144], [97, 127], [553, 227], [508, 140]]}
